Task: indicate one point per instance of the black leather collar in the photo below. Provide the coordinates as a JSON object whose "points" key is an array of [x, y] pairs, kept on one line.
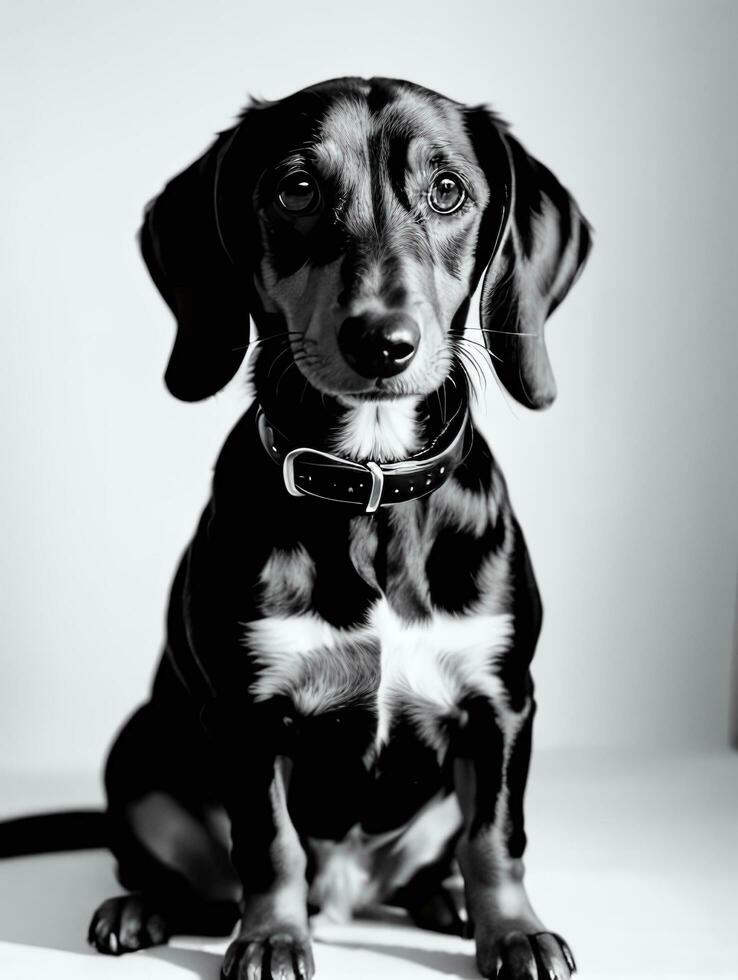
{"points": [[315, 473]]}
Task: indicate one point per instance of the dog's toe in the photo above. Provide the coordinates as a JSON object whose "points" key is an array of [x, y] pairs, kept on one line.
{"points": [[517, 959], [131, 928], [125, 924], [103, 931], [526, 956], [561, 946], [279, 956]]}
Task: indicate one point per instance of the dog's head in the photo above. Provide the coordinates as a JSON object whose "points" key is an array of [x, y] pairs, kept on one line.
{"points": [[354, 220]]}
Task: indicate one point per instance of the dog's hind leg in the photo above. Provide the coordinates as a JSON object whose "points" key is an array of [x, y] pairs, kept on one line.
{"points": [[176, 866], [412, 870], [428, 899], [180, 878]]}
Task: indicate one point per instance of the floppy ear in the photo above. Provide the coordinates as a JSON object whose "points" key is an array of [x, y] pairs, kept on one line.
{"points": [[182, 247], [543, 248]]}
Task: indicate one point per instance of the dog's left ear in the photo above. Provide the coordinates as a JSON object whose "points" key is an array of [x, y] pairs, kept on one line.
{"points": [[184, 252], [539, 242]]}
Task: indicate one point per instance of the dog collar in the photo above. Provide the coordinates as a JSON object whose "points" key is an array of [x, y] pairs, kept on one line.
{"points": [[370, 485]]}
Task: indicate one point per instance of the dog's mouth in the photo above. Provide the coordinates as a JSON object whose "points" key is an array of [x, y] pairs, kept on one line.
{"points": [[379, 393], [376, 390]]}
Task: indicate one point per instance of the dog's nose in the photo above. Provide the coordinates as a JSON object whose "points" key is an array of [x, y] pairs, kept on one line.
{"points": [[379, 346]]}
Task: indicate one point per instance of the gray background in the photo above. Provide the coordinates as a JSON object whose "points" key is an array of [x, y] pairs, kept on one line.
{"points": [[626, 488]]}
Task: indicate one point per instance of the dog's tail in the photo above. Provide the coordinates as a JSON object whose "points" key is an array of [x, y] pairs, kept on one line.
{"points": [[47, 833]]}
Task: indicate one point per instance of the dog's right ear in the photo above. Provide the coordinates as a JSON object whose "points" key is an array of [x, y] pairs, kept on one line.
{"points": [[185, 255]]}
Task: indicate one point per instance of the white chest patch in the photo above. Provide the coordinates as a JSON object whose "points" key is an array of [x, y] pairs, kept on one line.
{"points": [[421, 670], [320, 667], [428, 668], [380, 431]]}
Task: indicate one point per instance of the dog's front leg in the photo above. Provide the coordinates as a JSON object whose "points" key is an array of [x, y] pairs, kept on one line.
{"points": [[490, 772], [273, 940]]}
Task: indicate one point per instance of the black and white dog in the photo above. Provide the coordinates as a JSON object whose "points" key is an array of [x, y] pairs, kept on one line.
{"points": [[344, 705]]}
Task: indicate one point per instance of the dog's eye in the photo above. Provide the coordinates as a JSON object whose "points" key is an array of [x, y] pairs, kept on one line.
{"points": [[298, 193], [447, 193]]}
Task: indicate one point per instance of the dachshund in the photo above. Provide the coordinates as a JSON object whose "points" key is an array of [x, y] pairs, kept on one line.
{"points": [[343, 710]]}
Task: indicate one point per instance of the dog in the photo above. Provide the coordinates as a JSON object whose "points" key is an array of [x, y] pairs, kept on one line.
{"points": [[343, 709]]}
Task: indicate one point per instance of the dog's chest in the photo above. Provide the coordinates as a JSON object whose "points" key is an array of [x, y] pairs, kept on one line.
{"points": [[422, 671], [401, 659]]}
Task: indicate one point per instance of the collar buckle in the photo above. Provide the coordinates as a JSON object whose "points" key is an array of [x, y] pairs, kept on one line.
{"points": [[373, 469]]}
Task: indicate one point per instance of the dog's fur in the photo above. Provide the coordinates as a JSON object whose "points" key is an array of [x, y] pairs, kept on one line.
{"points": [[344, 705]]}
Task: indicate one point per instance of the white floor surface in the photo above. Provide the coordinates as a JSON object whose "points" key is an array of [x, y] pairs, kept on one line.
{"points": [[633, 858]]}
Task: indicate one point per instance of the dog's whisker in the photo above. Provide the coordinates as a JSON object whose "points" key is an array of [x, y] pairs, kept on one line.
{"points": [[487, 365], [437, 396], [283, 336], [462, 366], [476, 343], [292, 364], [467, 360], [508, 333], [467, 340], [281, 353]]}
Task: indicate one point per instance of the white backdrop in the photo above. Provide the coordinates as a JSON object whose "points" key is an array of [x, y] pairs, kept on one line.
{"points": [[626, 488]]}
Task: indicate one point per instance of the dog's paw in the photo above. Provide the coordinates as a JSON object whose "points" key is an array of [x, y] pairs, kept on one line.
{"points": [[525, 956], [282, 955], [125, 924]]}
